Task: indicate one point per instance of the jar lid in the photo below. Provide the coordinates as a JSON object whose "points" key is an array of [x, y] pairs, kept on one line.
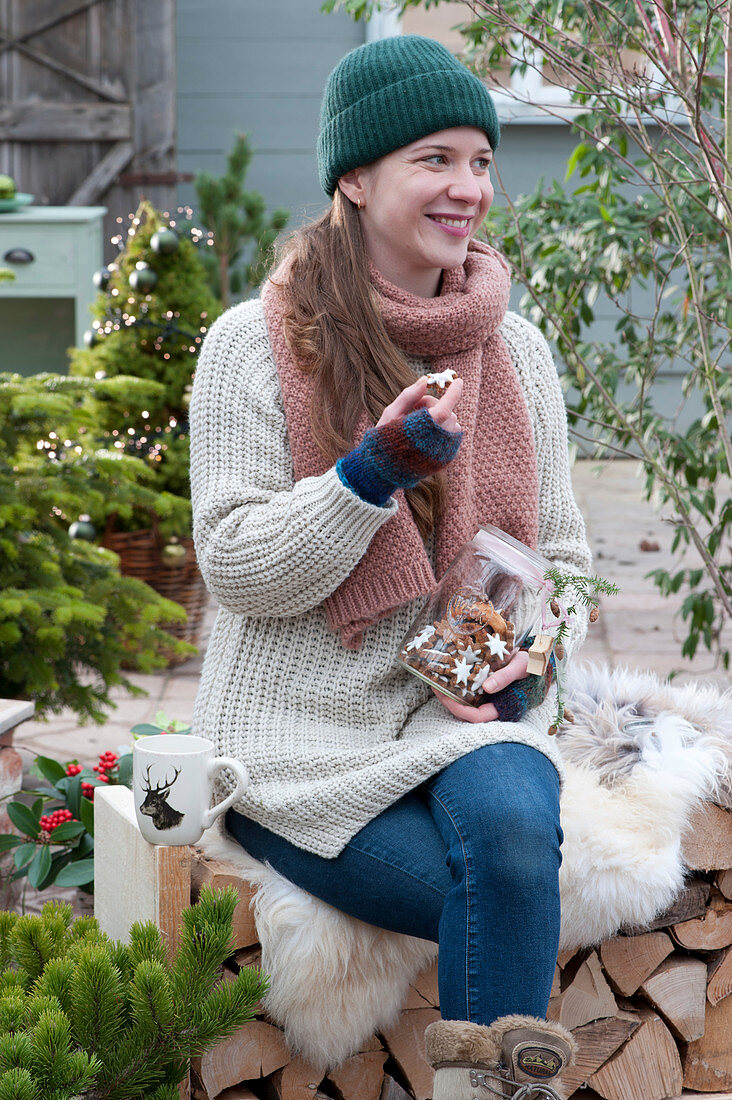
{"points": [[516, 556]]}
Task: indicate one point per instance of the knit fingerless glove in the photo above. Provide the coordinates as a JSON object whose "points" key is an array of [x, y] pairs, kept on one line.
{"points": [[521, 696], [397, 455]]}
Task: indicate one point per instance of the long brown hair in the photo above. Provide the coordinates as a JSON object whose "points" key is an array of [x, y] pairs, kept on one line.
{"points": [[334, 327]]}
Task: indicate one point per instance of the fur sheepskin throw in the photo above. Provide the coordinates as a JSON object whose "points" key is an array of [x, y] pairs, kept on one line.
{"points": [[629, 793]]}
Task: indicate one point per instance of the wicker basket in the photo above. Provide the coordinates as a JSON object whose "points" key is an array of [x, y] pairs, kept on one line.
{"points": [[140, 556]]}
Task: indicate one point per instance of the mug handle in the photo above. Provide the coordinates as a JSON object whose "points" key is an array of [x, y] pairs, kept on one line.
{"points": [[242, 775]]}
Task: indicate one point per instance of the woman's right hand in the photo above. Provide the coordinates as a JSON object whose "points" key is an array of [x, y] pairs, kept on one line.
{"points": [[442, 410], [417, 436]]}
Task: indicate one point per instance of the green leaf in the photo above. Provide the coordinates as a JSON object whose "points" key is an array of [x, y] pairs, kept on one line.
{"points": [[76, 874], [59, 859], [145, 729], [8, 841], [24, 819], [40, 866], [85, 847], [124, 770], [67, 830], [50, 769], [73, 795], [23, 854], [86, 813], [577, 155]]}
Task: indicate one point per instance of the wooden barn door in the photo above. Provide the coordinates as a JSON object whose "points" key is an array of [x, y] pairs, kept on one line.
{"points": [[87, 102]]}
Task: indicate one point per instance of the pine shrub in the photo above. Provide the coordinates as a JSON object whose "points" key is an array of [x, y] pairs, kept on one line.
{"points": [[82, 1016], [241, 231]]}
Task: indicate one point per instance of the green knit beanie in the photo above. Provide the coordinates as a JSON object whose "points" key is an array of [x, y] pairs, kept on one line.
{"points": [[391, 92]]}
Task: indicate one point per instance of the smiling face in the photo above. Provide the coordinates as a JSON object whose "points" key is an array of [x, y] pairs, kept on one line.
{"points": [[421, 204]]}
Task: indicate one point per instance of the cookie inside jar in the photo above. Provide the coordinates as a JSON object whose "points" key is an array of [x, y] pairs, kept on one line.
{"points": [[488, 604], [458, 651]]}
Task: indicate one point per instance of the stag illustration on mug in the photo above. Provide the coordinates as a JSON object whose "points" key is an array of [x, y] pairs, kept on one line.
{"points": [[156, 802]]}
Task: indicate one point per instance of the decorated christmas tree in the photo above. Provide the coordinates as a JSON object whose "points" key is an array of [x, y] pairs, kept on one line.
{"points": [[151, 315], [85, 1018], [69, 622]]}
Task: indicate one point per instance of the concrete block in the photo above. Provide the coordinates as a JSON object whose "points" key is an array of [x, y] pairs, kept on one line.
{"points": [[11, 779], [134, 880], [12, 713]]}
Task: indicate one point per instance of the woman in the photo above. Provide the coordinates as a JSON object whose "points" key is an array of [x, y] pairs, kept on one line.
{"points": [[329, 491]]}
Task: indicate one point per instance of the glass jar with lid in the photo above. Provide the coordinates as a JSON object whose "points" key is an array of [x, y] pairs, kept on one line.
{"points": [[489, 602]]}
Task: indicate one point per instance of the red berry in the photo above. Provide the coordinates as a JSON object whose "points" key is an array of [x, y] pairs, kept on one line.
{"points": [[107, 761], [73, 769], [56, 818]]}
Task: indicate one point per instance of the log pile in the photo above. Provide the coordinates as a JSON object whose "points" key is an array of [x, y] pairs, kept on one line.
{"points": [[651, 1009]]}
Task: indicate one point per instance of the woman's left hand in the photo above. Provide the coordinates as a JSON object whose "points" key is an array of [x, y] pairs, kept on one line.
{"points": [[486, 712]]}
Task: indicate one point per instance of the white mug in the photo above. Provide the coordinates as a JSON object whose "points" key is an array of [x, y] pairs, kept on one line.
{"points": [[172, 784]]}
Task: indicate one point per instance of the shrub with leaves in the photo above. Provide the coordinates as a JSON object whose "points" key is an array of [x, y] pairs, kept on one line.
{"points": [[68, 620], [54, 844], [55, 823], [85, 1018]]}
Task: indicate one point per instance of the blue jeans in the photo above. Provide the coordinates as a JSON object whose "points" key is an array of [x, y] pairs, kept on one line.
{"points": [[470, 859]]}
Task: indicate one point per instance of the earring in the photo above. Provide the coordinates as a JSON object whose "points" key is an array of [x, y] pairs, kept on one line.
{"points": [[358, 204]]}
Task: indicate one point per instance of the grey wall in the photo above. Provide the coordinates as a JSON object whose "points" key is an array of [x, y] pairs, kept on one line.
{"points": [[257, 66]]}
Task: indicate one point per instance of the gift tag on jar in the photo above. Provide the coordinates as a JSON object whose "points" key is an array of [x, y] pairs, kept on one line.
{"points": [[540, 654]]}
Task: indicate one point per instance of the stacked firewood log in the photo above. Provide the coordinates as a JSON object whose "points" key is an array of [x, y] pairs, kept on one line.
{"points": [[651, 1009]]}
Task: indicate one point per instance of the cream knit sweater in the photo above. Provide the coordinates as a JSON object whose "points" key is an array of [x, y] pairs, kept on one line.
{"points": [[330, 736]]}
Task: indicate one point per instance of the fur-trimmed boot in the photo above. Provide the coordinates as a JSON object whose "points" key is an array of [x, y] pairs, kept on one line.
{"points": [[519, 1057]]}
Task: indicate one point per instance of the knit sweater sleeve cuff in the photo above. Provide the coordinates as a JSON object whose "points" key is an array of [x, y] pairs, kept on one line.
{"points": [[380, 500]]}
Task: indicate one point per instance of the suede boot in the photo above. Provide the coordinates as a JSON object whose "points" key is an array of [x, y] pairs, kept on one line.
{"points": [[517, 1057]]}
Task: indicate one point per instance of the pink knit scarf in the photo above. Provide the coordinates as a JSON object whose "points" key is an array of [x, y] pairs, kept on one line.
{"points": [[494, 477]]}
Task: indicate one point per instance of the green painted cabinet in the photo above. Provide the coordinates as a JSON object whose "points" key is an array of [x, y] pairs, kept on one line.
{"points": [[53, 251]]}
